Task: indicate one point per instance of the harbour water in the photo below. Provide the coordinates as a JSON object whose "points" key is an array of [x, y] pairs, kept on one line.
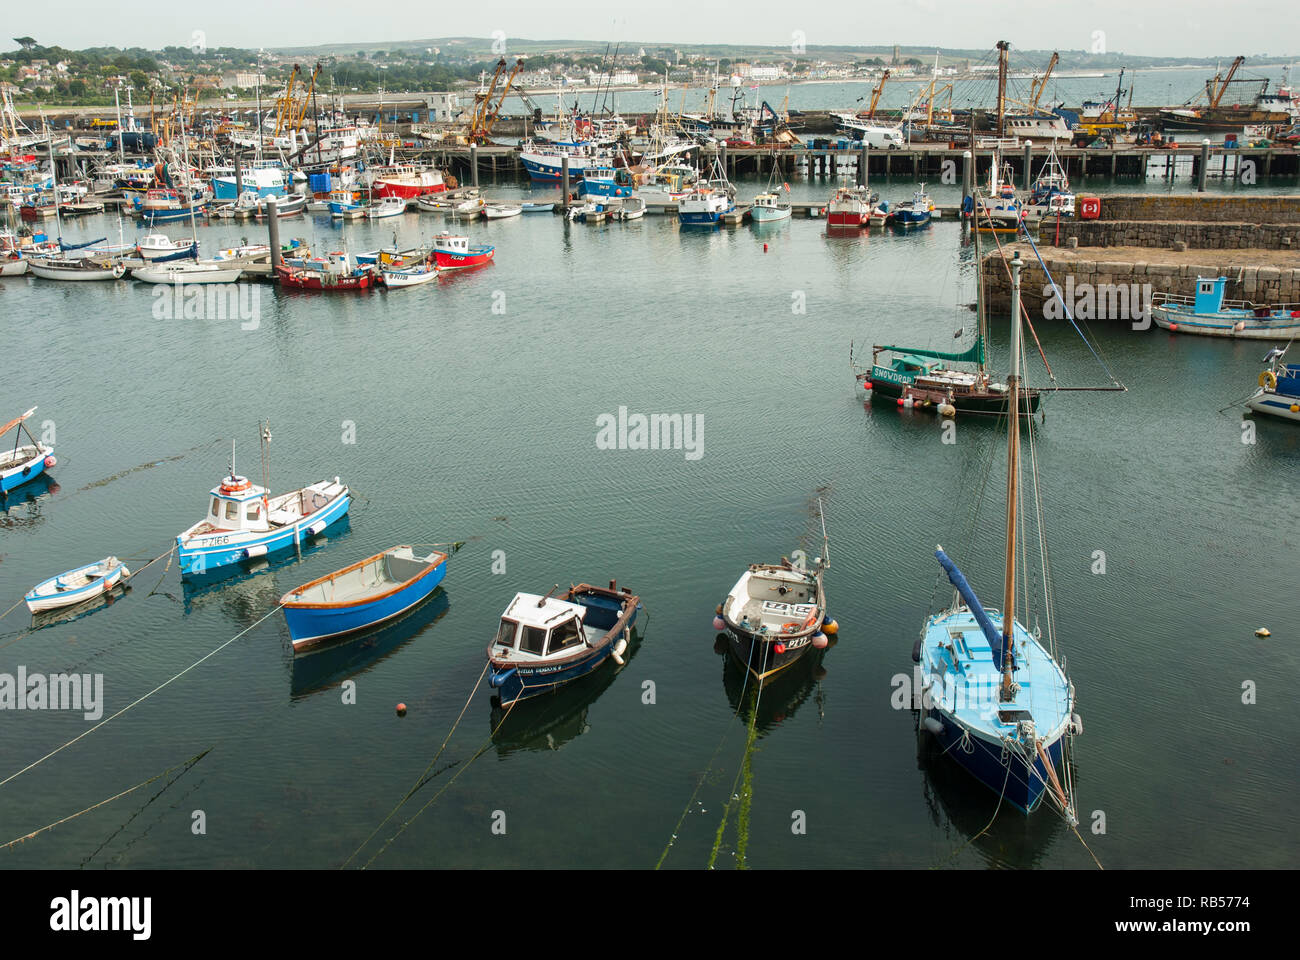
{"points": [[467, 410]]}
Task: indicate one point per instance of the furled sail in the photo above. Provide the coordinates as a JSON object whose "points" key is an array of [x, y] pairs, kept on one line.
{"points": [[991, 633]]}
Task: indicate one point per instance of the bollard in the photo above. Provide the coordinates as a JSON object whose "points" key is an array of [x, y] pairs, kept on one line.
{"points": [[473, 163], [273, 231], [722, 157], [1204, 167], [862, 166], [564, 183], [967, 176], [1029, 159]]}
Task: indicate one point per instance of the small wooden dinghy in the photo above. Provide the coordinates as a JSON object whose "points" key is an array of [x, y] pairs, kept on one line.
{"points": [[77, 586], [369, 592]]}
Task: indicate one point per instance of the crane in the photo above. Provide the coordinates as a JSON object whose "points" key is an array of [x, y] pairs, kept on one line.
{"points": [[505, 92], [1216, 88], [284, 105], [306, 100], [875, 97], [1040, 84]]}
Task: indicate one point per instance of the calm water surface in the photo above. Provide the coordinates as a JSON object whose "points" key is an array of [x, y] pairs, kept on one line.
{"points": [[474, 404]]}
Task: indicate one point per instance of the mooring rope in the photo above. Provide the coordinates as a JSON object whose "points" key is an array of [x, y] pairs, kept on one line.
{"points": [[246, 630], [420, 781], [94, 806], [750, 739]]}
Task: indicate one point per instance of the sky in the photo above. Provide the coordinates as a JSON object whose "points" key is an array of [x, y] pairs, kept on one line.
{"points": [[1173, 28]]}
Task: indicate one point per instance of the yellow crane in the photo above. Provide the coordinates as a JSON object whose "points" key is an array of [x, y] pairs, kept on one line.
{"points": [[284, 104], [1039, 85], [1216, 88], [875, 96], [485, 114], [306, 100]]}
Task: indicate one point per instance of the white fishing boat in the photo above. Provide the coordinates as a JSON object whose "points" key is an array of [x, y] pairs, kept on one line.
{"points": [[626, 208], [390, 206], [501, 211], [77, 586], [158, 246], [187, 272], [13, 266], [768, 207], [409, 276]]}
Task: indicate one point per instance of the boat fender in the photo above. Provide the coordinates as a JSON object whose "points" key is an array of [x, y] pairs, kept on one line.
{"points": [[779, 648], [499, 679], [49, 462], [619, 648], [830, 627], [1075, 726], [1239, 326], [947, 410], [719, 624], [820, 641], [256, 550], [933, 725], [916, 651]]}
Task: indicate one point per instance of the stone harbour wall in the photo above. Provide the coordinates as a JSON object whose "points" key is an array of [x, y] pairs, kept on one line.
{"points": [[1202, 207], [1196, 235]]}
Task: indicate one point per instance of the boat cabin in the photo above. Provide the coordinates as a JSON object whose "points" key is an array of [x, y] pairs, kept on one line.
{"points": [[237, 505], [1209, 294], [536, 627], [449, 244]]}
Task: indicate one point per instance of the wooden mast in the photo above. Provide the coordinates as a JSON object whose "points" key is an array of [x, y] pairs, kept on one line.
{"points": [[1013, 481], [1003, 47]]}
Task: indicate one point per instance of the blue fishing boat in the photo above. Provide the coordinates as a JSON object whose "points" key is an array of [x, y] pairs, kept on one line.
{"points": [[245, 522], [605, 181], [362, 595], [991, 692], [544, 642], [1209, 314], [1279, 387], [911, 213], [22, 463]]}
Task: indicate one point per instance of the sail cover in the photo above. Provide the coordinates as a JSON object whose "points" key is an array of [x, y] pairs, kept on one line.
{"points": [[974, 355], [991, 633]]}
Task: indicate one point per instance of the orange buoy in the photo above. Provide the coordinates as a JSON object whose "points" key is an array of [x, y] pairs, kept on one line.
{"points": [[830, 628], [401, 709], [765, 248]]}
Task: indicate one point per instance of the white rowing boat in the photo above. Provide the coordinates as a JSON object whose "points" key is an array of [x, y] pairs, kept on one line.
{"points": [[77, 586]]}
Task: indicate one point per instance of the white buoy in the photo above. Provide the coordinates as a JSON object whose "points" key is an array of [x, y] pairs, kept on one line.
{"points": [[947, 409], [1263, 632], [617, 652], [933, 725]]}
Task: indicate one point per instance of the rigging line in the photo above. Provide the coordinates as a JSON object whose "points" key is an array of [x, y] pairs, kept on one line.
{"points": [[749, 746], [1069, 313], [481, 750], [246, 630], [188, 763], [703, 776], [420, 781], [1024, 312]]}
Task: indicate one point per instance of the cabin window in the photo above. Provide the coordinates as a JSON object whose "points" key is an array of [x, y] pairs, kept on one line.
{"points": [[565, 635], [533, 640], [232, 510], [506, 633], [216, 508], [254, 511], [1207, 286]]}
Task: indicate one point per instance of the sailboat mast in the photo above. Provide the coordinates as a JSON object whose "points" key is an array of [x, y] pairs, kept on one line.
{"points": [[1013, 482], [979, 305]]}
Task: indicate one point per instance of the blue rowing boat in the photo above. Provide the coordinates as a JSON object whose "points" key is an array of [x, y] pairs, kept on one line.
{"points": [[22, 463], [367, 593], [544, 642]]}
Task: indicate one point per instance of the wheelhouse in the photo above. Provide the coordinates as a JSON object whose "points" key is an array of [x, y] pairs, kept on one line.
{"points": [[539, 628]]}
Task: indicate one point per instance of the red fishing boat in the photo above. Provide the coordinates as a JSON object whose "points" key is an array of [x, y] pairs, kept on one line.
{"points": [[850, 207], [453, 252], [406, 180], [334, 273]]}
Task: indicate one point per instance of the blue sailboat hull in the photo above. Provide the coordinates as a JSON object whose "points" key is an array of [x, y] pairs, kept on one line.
{"points": [[1017, 782]]}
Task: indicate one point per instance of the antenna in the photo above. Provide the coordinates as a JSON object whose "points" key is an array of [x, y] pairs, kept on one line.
{"points": [[826, 544]]}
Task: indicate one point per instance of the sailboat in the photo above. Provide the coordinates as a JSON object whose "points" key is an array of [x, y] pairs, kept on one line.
{"points": [[916, 377], [994, 696]]}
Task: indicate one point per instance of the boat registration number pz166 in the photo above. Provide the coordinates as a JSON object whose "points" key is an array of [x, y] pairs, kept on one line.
{"points": [[214, 542]]}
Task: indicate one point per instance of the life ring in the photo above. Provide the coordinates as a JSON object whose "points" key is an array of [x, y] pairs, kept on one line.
{"points": [[792, 627], [1268, 380], [235, 486]]}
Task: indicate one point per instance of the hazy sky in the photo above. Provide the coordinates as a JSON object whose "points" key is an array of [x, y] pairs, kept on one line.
{"points": [[1145, 27]]}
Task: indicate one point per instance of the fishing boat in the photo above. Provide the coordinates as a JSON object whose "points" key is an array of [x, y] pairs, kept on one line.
{"points": [[921, 378], [452, 253], [160, 248], [537, 207], [1209, 314], [774, 615], [544, 642], [1279, 387], [22, 462], [850, 207], [912, 213], [1050, 194], [1000, 210], [165, 206], [359, 596], [992, 693], [77, 586], [343, 205], [768, 208], [405, 181], [707, 201], [390, 206], [289, 206], [409, 276], [626, 208], [244, 521], [468, 208], [186, 272], [334, 273], [501, 211], [63, 268], [12, 264]]}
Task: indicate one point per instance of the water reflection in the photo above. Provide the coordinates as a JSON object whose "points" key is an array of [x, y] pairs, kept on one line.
{"points": [[328, 665]]}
